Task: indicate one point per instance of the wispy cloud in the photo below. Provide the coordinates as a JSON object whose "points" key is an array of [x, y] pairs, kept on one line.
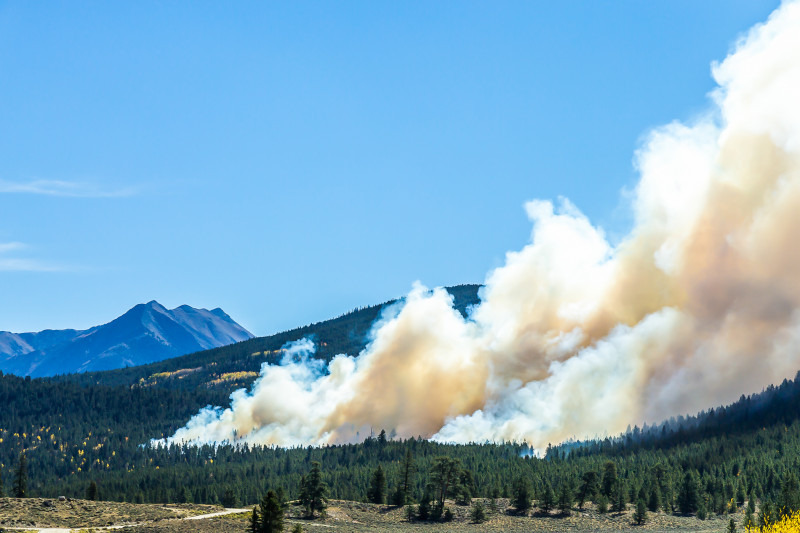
{"points": [[22, 264], [13, 264], [74, 189], [6, 247]]}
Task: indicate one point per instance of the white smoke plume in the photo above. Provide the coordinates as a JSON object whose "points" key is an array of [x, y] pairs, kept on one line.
{"points": [[575, 337]]}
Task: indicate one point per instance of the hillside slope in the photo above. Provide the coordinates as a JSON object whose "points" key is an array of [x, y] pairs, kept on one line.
{"points": [[73, 434], [228, 368]]}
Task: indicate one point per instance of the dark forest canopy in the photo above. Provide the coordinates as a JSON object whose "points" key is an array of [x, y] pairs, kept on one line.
{"points": [[73, 435], [96, 428]]}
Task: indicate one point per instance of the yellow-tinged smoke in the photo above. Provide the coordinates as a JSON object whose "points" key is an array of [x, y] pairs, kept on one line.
{"points": [[574, 336]]}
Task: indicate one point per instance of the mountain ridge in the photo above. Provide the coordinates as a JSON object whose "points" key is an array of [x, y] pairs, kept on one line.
{"points": [[144, 334], [343, 334]]}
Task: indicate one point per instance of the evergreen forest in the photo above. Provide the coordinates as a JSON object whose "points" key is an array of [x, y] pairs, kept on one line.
{"points": [[90, 434]]}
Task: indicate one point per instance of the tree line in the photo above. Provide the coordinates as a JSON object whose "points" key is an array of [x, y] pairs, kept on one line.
{"points": [[718, 461]]}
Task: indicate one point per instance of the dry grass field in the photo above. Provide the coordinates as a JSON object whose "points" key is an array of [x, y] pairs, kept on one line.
{"points": [[342, 517], [45, 512], [346, 517]]}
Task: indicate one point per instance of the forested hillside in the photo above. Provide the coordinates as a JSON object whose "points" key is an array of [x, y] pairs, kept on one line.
{"points": [[76, 430], [72, 435], [776, 405], [225, 369]]}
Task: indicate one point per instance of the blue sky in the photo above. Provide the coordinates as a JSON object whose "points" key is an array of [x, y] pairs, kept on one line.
{"points": [[290, 161]]}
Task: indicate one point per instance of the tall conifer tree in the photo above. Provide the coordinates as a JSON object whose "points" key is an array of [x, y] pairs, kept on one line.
{"points": [[377, 486], [271, 514], [21, 477]]}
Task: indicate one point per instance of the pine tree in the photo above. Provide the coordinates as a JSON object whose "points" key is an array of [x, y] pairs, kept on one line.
{"points": [[749, 519], [702, 509], [271, 514], [662, 484], [609, 478], [229, 499], [522, 495], [602, 504], [789, 501], [424, 509], [641, 512], [185, 496], [565, 499], [654, 502], [478, 513], [731, 526], [548, 499], [445, 473], [620, 497], [255, 523], [303, 498], [667, 496], [21, 477], [281, 497], [377, 486], [91, 491], [766, 515], [719, 503], [688, 494], [732, 507], [740, 495], [465, 488], [750, 513], [410, 514], [589, 487], [2, 486], [641, 495], [403, 493], [316, 491], [729, 491]]}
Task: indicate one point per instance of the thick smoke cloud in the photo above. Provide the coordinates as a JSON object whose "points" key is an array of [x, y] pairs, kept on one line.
{"points": [[575, 337]]}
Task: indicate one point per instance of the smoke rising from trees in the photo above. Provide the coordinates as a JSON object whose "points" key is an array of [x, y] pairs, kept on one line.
{"points": [[698, 304]]}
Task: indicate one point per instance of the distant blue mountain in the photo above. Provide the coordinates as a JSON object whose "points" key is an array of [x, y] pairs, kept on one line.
{"points": [[145, 334]]}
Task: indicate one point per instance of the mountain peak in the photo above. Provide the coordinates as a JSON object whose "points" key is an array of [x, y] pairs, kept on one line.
{"points": [[144, 334]]}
